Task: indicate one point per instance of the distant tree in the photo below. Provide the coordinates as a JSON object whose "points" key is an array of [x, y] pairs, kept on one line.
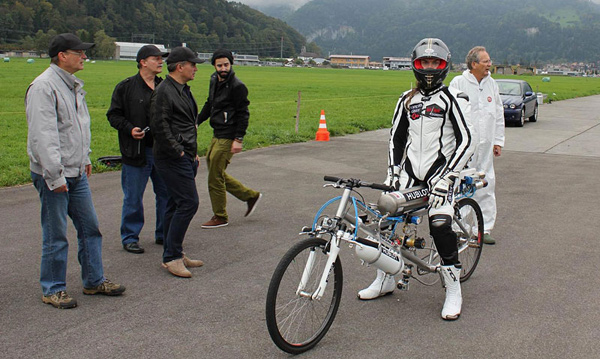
{"points": [[313, 47], [41, 41], [28, 43], [219, 26], [84, 35], [105, 45]]}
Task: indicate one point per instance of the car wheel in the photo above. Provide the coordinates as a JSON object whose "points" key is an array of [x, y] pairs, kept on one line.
{"points": [[522, 118], [534, 117]]}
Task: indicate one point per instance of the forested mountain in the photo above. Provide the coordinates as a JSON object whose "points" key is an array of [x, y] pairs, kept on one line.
{"points": [[204, 25], [514, 31], [283, 11]]}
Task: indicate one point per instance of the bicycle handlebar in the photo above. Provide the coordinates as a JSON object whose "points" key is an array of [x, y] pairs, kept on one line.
{"points": [[358, 183]]}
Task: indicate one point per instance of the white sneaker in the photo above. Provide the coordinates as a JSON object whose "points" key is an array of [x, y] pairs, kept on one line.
{"points": [[453, 302], [382, 285]]}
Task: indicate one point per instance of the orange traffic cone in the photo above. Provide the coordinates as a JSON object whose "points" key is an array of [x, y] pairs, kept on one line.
{"points": [[322, 133]]}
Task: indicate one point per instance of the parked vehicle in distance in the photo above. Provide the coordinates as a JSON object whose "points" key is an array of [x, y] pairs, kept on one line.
{"points": [[519, 100]]}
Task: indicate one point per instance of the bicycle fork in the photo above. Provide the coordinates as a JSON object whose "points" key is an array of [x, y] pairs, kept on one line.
{"points": [[332, 255]]}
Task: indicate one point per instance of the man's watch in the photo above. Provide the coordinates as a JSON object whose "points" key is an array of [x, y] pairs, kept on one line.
{"points": [[239, 139]]}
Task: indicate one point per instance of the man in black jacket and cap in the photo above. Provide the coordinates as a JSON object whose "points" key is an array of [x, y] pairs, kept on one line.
{"points": [[173, 113], [129, 114], [227, 107]]}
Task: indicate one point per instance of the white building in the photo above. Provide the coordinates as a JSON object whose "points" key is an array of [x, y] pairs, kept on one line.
{"points": [[238, 59], [251, 60], [206, 56], [129, 50], [396, 63]]}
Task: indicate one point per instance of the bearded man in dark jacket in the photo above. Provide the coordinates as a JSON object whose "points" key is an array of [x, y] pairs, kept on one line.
{"points": [[227, 107]]}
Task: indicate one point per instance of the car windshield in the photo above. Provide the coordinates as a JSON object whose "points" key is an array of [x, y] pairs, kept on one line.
{"points": [[509, 88]]}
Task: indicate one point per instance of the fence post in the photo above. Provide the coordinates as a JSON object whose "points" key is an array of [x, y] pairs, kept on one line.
{"points": [[298, 110]]}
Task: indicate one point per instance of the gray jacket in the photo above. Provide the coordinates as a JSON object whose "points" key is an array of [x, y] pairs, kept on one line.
{"points": [[58, 141]]}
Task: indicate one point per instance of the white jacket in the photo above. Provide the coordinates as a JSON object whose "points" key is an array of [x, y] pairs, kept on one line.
{"points": [[487, 116], [487, 112]]}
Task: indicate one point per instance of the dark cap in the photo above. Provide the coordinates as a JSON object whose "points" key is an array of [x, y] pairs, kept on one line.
{"points": [[220, 53], [181, 53], [149, 50], [64, 42]]}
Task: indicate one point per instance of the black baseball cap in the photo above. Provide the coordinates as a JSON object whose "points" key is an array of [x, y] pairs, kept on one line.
{"points": [[67, 41], [181, 53], [149, 50]]}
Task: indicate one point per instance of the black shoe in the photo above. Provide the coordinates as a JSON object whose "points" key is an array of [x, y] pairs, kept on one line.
{"points": [[133, 247], [159, 241], [252, 204]]}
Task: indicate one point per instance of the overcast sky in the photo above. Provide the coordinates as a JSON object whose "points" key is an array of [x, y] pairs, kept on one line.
{"points": [[294, 3]]}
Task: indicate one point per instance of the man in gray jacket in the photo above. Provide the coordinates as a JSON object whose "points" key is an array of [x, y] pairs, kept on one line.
{"points": [[58, 145]]}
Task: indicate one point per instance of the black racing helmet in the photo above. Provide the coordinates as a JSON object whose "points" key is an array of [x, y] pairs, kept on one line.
{"points": [[429, 79]]}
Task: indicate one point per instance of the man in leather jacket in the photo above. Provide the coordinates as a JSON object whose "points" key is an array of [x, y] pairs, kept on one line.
{"points": [[227, 107], [128, 113], [173, 113]]}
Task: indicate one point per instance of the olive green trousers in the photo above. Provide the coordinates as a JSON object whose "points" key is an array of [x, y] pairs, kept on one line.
{"points": [[219, 182]]}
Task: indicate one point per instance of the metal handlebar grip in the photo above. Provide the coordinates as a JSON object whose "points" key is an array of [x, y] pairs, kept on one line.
{"points": [[382, 187], [331, 178]]}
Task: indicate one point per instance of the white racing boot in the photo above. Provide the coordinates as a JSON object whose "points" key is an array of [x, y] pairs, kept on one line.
{"points": [[382, 285], [453, 303]]}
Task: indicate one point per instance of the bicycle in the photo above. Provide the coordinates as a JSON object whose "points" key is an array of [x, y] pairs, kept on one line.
{"points": [[306, 287]]}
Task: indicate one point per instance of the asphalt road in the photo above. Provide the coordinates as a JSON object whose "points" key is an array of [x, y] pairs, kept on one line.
{"points": [[534, 295]]}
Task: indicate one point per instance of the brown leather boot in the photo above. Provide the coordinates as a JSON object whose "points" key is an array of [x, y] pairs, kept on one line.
{"points": [[177, 268]]}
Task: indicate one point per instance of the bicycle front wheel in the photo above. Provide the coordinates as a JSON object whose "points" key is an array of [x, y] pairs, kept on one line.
{"points": [[468, 226], [295, 320]]}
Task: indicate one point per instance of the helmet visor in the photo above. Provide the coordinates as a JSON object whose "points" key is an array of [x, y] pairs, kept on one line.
{"points": [[419, 66]]}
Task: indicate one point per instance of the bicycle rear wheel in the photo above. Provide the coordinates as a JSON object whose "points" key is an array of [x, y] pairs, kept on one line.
{"points": [[296, 322], [468, 226]]}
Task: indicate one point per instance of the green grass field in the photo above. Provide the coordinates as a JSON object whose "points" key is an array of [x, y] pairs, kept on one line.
{"points": [[353, 100]]}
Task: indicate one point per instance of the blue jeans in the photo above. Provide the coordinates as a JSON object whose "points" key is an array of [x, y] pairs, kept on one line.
{"points": [[77, 204], [133, 182], [179, 176]]}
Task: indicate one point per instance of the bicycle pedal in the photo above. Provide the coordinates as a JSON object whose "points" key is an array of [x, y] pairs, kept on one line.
{"points": [[402, 285]]}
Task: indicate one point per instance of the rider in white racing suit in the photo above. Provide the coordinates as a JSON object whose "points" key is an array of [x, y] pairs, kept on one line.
{"points": [[430, 143], [487, 115]]}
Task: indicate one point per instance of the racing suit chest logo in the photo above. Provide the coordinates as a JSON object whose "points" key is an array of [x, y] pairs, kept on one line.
{"points": [[434, 111], [415, 110]]}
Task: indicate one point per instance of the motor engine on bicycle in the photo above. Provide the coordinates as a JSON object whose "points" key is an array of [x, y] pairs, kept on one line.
{"points": [[403, 200], [379, 255]]}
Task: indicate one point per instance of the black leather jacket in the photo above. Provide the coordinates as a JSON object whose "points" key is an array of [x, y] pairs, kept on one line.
{"points": [[129, 108], [173, 113], [227, 107]]}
